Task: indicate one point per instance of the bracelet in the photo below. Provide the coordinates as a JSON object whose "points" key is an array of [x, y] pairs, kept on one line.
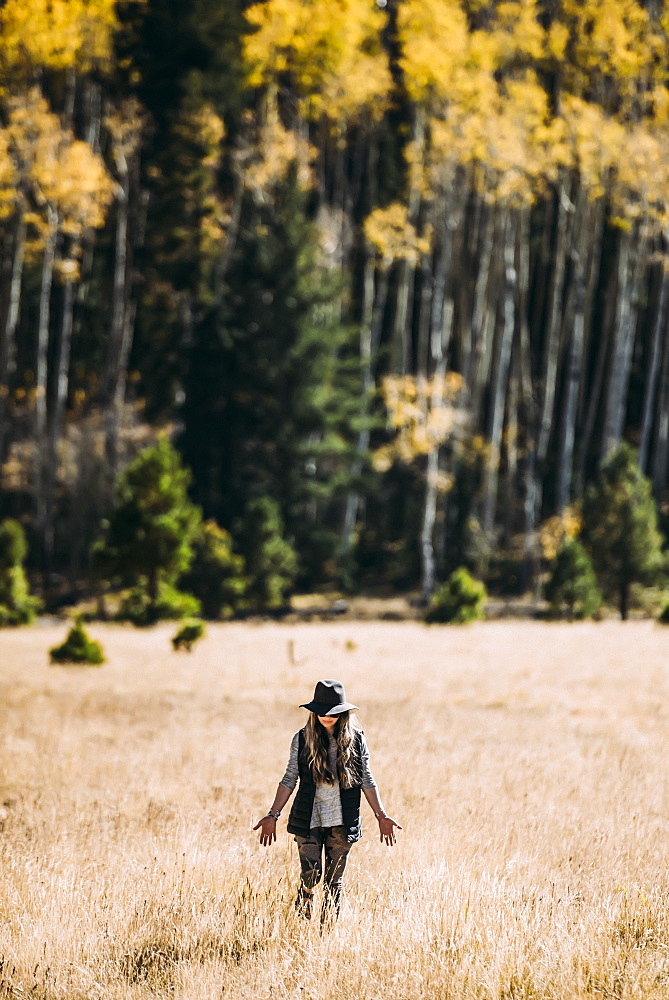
{"points": [[381, 815], [274, 815]]}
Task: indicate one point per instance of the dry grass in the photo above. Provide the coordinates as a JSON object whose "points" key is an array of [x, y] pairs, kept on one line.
{"points": [[526, 761]]}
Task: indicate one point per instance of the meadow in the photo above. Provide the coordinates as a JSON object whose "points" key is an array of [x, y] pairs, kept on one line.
{"points": [[526, 761]]}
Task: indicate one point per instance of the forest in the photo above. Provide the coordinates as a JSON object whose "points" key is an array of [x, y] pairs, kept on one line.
{"points": [[381, 284]]}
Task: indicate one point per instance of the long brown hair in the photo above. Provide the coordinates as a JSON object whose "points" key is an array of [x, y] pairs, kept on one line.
{"points": [[317, 743]]}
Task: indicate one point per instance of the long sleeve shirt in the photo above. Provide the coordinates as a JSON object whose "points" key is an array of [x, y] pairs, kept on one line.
{"points": [[327, 800]]}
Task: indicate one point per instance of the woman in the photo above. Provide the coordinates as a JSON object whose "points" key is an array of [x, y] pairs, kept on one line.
{"points": [[330, 758]]}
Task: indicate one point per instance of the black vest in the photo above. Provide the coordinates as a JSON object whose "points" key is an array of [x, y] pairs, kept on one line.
{"points": [[299, 820]]}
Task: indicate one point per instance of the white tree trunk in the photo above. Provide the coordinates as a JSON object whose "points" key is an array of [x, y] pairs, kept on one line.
{"points": [[61, 381], [585, 214], [527, 399], [119, 297], [571, 396], [8, 335], [432, 475], [661, 454], [41, 372], [123, 319], [473, 357], [552, 344], [370, 332], [441, 328], [629, 273], [552, 349], [400, 351], [590, 389], [658, 333], [500, 380]]}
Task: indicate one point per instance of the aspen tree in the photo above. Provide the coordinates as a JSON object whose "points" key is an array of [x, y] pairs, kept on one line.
{"points": [[125, 126], [82, 194], [57, 34], [64, 185], [660, 465], [337, 70], [389, 237], [12, 214], [432, 79], [331, 52], [393, 237], [651, 392], [70, 190]]}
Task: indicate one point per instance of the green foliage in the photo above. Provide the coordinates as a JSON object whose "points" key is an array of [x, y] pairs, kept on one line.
{"points": [[384, 550], [171, 604], [460, 600], [188, 635], [78, 648], [270, 560], [620, 527], [17, 606], [273, 386], [573, 583], [149, 536], [663, 616], [216, 575], [13, 544], [237, 217]]}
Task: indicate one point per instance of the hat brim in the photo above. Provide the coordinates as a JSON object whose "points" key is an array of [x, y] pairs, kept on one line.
{"points": [[318, 708]]}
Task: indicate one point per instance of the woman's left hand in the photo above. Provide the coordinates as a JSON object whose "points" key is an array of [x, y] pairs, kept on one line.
{"points": [[387, 827]]}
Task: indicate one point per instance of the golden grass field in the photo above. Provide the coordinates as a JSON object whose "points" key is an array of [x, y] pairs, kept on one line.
{"points": [[526, 761]]}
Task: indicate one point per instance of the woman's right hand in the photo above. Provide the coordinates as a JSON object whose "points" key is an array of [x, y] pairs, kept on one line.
{"points": [[267, 827]]}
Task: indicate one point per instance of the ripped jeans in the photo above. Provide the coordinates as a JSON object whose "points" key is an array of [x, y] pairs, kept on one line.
{"points": [[328, 843]]}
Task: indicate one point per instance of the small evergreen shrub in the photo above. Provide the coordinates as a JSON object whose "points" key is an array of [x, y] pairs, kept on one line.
{"points": [[188, 635], [78, 648], [147, 539], [271, 561], [573, 584], [460, 600], [17, 605], [216, 574], [171, 604], [663, 616], [620, 528]]}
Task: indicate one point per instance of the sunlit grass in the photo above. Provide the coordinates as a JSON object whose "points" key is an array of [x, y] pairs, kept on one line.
{"points": [[526, 762]]}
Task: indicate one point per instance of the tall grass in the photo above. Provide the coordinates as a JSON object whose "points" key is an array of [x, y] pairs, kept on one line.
{"points": [[527, 763]]}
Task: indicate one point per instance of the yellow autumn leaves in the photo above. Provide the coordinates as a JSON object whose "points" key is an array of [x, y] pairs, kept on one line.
{"points": [[46, 173], [57, 34], [422, 413], [513, 96], [64, 171], [506, 101], [393, 237], [332, 51]]}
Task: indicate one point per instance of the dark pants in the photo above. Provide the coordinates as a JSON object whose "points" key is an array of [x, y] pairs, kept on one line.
{"points": [[329, 842]]}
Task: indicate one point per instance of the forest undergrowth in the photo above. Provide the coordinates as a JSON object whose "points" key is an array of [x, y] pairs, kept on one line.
{"points": [[525, 760]]}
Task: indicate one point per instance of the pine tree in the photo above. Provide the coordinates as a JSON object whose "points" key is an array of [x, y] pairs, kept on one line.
{"points": [[148, 539], [191, 80], [216, 575], [573, 583], [272, 384], [620, 527], [270, 560], [17, 606]]}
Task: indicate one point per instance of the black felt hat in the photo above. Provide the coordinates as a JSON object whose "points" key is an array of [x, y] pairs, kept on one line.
{"points": [[329, 699]]}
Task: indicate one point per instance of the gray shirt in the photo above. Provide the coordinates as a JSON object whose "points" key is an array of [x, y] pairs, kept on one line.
{"points": [[327, 801]]}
